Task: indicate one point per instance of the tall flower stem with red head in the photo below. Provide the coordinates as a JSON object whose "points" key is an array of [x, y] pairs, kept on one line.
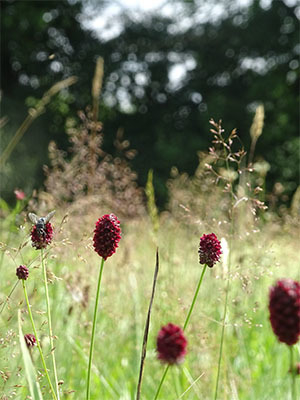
{"points": [[40, 239], [209, 253], [107, 235], [22, 274], [50, 323], [88, 389], [284, 307]]}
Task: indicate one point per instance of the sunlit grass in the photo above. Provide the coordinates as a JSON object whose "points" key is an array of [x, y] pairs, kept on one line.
{"points": [[254, 364]]}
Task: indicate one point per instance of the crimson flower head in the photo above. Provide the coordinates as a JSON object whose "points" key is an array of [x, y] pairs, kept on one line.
{"points": [[209, 250], [22, 272], [30, 340], [107, 235], [171, 344], [41, 238], [284, 307]]}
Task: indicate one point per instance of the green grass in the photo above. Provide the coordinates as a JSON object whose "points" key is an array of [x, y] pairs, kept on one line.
{"points": [[254, 364]]}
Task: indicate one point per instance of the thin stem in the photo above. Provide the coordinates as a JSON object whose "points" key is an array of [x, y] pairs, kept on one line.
{"points": [[161, 382], [184, 326], [50, 323], [37, 340], [88, 389], [225, 310], [195, 298], [292, 370]]}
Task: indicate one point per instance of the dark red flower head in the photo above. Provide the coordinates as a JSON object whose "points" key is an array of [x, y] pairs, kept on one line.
{"points": [[284, 307], [107, 235], [22, 272], [209, 250], [41, 239], [171, 344], [30, 340]]}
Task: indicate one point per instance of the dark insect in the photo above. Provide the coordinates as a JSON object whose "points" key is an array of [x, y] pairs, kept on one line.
{"points": [[40, 222]]}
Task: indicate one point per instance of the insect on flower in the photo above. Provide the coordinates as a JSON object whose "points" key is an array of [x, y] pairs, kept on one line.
{"points": [[40, 222]]}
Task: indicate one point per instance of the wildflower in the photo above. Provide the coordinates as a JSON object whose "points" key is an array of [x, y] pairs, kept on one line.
{"points": [[107, 235], [40, 240], [22, 272], [284, 307], [209, 250], [30, 340], [20, 195], [171, 344]]}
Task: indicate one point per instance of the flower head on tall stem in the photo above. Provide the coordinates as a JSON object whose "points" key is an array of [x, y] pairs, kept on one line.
{"points": [[30, 340], [171, 344], [40, 240], [107, 235], [22, 272], [209, 250], [284, 307]]}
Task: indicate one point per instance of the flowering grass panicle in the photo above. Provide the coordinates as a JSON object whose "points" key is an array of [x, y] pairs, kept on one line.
{"points": [[30, 340], [22, 272], [41, 241], [209, 250], [171, 344], [107, 235], [284, 307]]}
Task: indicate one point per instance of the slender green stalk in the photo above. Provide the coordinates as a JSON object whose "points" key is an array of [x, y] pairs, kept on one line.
{"points": [[225, 311], [50, 324], [88, 388], [161, 382], [184, 326], [195, 298], [37, 340], [292, 370]]}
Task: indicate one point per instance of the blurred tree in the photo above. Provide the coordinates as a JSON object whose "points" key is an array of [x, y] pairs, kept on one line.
{"points": [[164, 77]]}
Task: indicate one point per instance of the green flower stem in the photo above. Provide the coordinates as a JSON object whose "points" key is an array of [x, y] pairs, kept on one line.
{"points": [[184, 326], [50, 324], [161, 382], [37, 340], [222, 340], [292, 370], [88, 388], [194, 299]]}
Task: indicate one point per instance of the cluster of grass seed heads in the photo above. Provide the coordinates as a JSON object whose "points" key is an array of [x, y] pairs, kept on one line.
{"points": [[22, 272], [107, 235], [284, 307], [171, 344], [209, 250], [30, 340], [41, 241]]}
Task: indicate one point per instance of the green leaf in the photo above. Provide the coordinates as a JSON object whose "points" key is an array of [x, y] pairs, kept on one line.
{"points": [[34, 386]]}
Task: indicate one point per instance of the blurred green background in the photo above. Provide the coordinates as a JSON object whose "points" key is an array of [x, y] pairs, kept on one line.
{"points": [[167, 70]]}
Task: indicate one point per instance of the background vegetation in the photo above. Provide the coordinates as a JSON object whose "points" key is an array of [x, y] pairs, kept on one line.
{"points": [[164, 77], [166, 74]]}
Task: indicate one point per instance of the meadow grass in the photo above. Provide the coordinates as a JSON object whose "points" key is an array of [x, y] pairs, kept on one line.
{"points": [[254, 364]]}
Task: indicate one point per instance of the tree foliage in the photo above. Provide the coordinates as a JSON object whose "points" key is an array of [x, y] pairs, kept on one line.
{"points": [[163, 79]]}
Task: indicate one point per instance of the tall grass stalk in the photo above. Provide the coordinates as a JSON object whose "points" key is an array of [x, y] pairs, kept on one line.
{"points": [[37, 341], [184, 326], [50, 323], [88, 388]]}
